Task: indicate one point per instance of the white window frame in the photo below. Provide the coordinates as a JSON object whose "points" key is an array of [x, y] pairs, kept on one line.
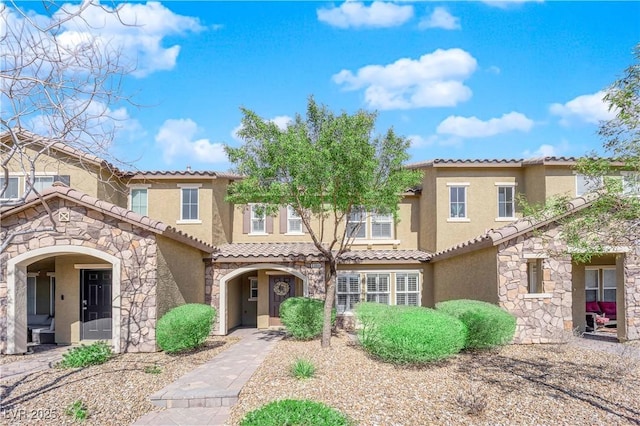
{"points": [[534, 276], [376, 218], [40, 187], [600, 282], [512, 187], [184, 187], [12, 177], [351, 297], [32, 282], [457, 186], [253, 216], [405, 278], [587, 186], [293, 217], [146, 189], [52, 295], [253, 289], [374, 296], [357, 217]]}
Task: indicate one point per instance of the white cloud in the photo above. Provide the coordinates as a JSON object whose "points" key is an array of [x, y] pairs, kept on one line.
{"points": [[494, 70], [356, 15], [504, 4], [440, 18], [546, 150], [282, 121], [176, 138], [418, 141], [433, 80], [586, 108], [473, 127], [138, 30]]}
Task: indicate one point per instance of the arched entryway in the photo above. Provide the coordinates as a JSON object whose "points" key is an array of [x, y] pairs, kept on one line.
{"points": [[247, 289], [79, 271]]}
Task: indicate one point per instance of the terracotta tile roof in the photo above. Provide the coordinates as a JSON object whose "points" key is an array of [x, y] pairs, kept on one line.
{"points": [[252, 251], [159, 174], [495, 162], [61, 191], [494, 237]]}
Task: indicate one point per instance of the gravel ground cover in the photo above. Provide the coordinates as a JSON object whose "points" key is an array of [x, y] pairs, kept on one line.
{"points": [[532, 384], [115, 393]]}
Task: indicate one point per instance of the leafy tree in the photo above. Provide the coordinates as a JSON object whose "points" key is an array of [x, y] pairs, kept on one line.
{"points": [[326, 167]]}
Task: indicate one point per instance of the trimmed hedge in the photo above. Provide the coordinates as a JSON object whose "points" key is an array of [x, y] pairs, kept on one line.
{"points": [[303, 317], [289, 412], [184, 327], [408, 335], [487, 325]]}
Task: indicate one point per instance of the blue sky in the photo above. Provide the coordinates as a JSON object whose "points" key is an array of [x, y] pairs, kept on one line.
{"points": [[460, 79]]}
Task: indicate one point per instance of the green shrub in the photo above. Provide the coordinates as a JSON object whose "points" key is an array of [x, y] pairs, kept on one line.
{"points": [[303, 317], [152, 369], [289, 412], [408, 335], [184, 327], [487, 325], [77, 410], [303, 369], [85, 355]]}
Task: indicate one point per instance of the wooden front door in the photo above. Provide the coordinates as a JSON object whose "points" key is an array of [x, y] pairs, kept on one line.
{"points": [[281, 287], [95, 304]]}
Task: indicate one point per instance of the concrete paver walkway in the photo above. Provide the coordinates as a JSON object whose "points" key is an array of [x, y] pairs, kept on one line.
{"points": [[204, 396], [46, 357]]}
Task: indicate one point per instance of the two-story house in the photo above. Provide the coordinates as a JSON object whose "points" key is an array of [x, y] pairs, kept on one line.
{"points": [[112, 251]]}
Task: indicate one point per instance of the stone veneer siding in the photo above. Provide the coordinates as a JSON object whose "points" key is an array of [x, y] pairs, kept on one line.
{"points": [[135, 247], [542, 319], [632, 293], [216, 271]]}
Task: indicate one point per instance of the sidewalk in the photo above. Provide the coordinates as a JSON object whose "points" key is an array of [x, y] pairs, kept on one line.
{"points": [[205, 395], [45, 358]]}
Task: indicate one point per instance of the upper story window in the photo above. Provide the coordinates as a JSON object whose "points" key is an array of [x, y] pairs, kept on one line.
{"points": [[258, 219], [585, 184], [139, 201], [374, 225], [11, 191], [294, 221], [506, 201], [42, 182], [457, 202], [631, 183], [189, 203]]}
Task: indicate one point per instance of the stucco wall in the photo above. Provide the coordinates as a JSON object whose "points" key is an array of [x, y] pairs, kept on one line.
{"points": [[180, 275], [470, 276], [631, 267], [234, 303]]}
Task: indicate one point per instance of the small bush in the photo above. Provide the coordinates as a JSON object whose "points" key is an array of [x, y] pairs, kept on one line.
{"points": [[487, 325], [303, 369], [184, 327], [295, 412], [408, 335], [77, 410], [473, 400], [86, 355], [152, 369], [303, 317]]}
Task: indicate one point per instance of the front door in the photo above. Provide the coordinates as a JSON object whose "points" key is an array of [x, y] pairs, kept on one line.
{"points": [[281, 287], [95, 304]]}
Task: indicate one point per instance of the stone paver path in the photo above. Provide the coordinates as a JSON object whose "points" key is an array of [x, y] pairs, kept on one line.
{"points": [[204, 396], [45, 358]]}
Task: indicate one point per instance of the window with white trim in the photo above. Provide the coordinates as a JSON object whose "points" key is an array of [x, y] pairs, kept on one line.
{"points": [[31, 295], [407, 289], [294, 221], [189, 203], [253, 288], [258, 219], [381, 225], [586, 184], [11, 191], [600, 284], [506, 201], [534, 276], [357, 223], [139, 201], [457, 202], [42, 182], [378, 289], [347, 292]]}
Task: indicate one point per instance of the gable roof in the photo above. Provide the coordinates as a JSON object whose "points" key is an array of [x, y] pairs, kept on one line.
{"points": [[493, 237], [494, 162], [273, 251], [59, 190]]}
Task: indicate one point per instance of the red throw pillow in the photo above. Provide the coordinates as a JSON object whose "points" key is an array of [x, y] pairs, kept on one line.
{"points": [[609, 308], [593, 307]]}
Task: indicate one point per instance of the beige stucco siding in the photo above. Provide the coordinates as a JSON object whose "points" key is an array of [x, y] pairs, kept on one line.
{"points": [[428, 209], [534, 187], [560, 181], [234, 302], [470, 276], [180, 275]]}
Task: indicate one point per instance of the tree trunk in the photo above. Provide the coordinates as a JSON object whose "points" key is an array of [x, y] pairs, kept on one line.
{"points": [[329, 298]]}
